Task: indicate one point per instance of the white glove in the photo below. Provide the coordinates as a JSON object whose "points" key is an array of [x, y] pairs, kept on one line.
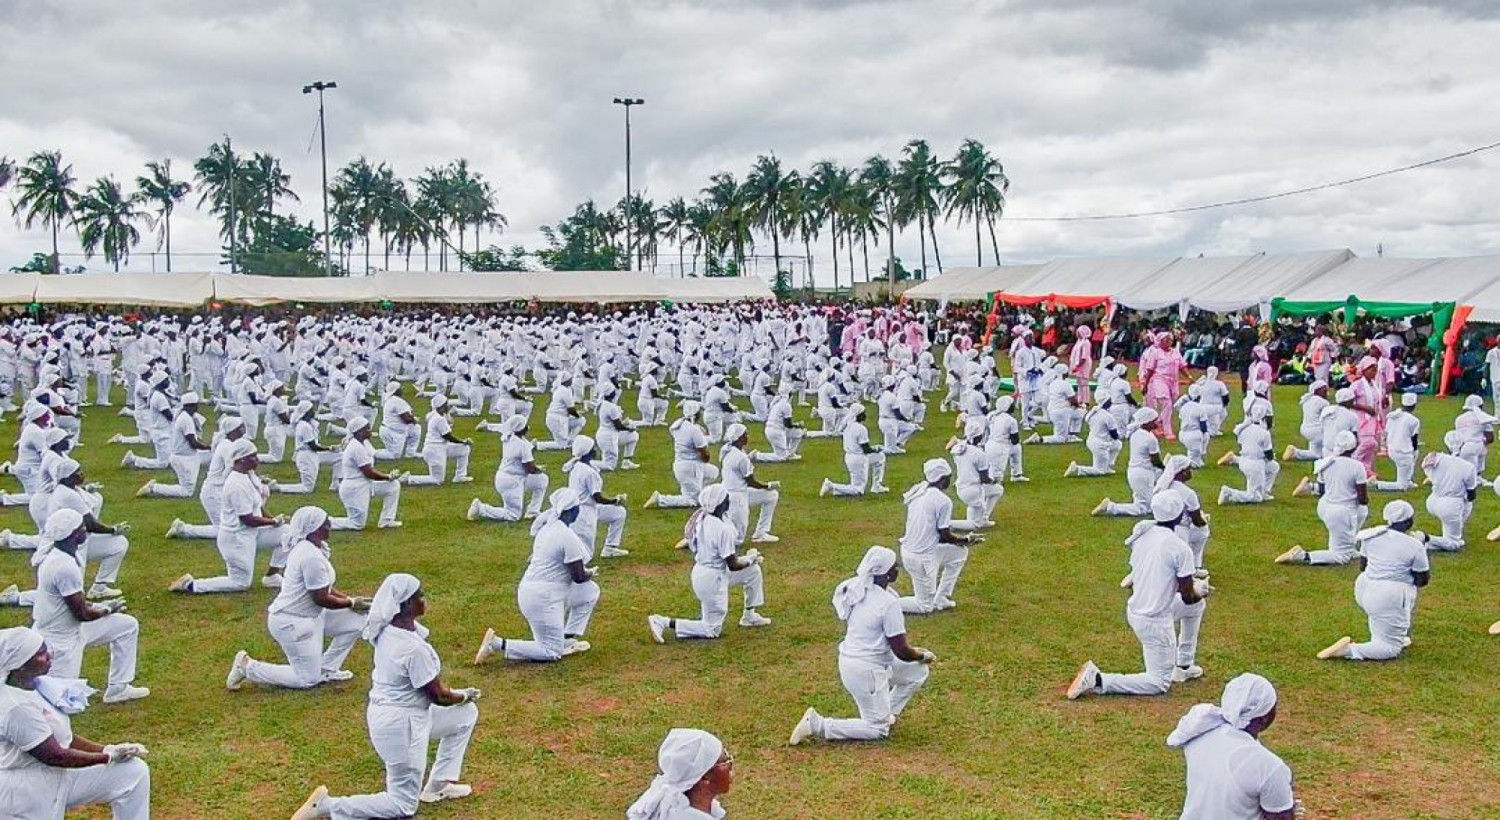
{"points": [[774, 485], [592, 571], [754, 557], [622, 498], [928, 656], [1203, 588], [395, 475], [122, 528], [359, 604], [280, 520], [119, 752], [469, 695], [975, 538], [93, 486], [113, 605]]}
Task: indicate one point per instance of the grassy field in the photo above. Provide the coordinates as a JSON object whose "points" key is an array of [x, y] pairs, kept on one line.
{"points": [[990, 736]]}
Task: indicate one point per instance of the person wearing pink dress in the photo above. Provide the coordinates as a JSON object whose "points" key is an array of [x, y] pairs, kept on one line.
{"points": [[1322, 352], [1081, 363], [1260, 369], [1162, 368], [1369, 397]]}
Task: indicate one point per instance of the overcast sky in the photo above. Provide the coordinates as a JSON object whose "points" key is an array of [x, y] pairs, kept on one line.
{"points": [[1091, 106]]}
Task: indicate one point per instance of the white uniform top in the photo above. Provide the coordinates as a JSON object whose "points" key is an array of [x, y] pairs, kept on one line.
{"points": [[241, 496], [307, 568], [930, 511], [303, 434], [515, 451], [59, 576], [404, 663], [713, 542], [554, 547], [737, 469], [1255, 442], [1452, 477], [687, 439], [1312, 411], [1157, 559], [779, 417], [1230, 776], [875, 618], [390, 413], [1100, 423], [26, 722], [1143, 445], [438, 426], [1393, 556], [1192, 417], [1401, 428], [562, 400], [356, 454], [1340, 478], [856, 436], [32, 445], [969, 461], [887, 404], [1059, 391], [186, 424], [609, 414]]}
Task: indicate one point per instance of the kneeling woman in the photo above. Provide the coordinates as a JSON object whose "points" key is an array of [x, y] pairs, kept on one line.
{"points": [[716, 568], [695, 770], [306, 611], [879, 668], [45, 769], [557, 594], [409, 706]]}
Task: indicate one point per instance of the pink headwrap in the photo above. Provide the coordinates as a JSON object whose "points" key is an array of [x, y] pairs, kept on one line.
{"points": [[1084, 332]]}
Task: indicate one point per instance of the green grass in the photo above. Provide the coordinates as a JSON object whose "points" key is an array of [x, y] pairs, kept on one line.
{"points": [[990, 736]]}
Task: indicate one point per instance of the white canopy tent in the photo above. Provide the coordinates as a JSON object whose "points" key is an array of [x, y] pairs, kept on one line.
{"points": [[270, 290], [1263, 278], [716, 289], [175, 290], [1177, 283], [970, 284], [1104, 276], [18, 288]]}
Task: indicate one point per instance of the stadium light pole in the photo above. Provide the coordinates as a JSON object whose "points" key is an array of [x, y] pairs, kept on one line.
{"points": [[320, 86], [628, 102]]}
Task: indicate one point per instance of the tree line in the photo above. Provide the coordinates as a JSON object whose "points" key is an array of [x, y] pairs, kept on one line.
{"points": [[447, 208]]}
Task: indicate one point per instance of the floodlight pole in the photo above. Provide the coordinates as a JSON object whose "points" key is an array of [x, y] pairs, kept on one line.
{"points": [[320, 86], [628, 102]]}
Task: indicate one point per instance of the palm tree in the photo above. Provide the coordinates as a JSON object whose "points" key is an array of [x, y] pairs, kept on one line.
{"points": [[728, 202], [799, 219], [435, 203], [919, 187], [268, 182], [158, 189], [391, 204], [225, 182], [768, 185], [700, 230], [976, 190], [830, 191], [46, 195], [674, 218], [359, 182], [7, 171], [105, 218], [879, 176], [862, 221]]}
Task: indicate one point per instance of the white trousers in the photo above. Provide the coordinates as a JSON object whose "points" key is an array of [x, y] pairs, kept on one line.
{"points": [[1453, 514], [1195, 441], [554, 612], [590, 516], [896, 432], [1406, 468], [934, 576], [1314, 435], [48, 793], [979, 502], [436, 455], [1004, 457], [1102, 453], [301, 639], [356, 496], [740, 503], [1343, 523], [400, 737], [712, 588], [119, 631], [866, 473], [1142, 481], [617, 446], [691, 476], [237, 548], [1259, 475], [1388, 606], [109, 551], [309, 464], [785, 442], [186, 468], [1159, 648], [880, 692], [514, 493], [399, 441], [276, 436]]}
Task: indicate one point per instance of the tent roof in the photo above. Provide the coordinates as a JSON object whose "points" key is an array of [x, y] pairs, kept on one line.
{"points": [[1265, 277], [971, 284], [1180, 280], [716, 289], [1104, 275], [270, 290], [18, 288], [148, 289], [1372, 280], [1485, 300]]}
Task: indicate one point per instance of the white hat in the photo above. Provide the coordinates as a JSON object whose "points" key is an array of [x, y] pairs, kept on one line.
{"points": [[711, 497], [1408, 399], [1166, 506], [242, 448], [35, 410], [1398, 511], [1344, 441], [1343, 394], [228, 424], [1144, 416], [935, 469], [734, 431], [690, 408], [190, 398]]}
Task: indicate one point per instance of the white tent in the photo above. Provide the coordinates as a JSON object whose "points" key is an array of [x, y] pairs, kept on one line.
{"points": [[1104, 276], [1377, 279], [971, 284], [270, 290], [1263, 278], [1176, 284], [18, 288], [715, 289], [172, 290]]}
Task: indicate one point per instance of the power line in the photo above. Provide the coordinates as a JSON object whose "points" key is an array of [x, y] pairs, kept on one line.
{"points": [[1230, 203]]}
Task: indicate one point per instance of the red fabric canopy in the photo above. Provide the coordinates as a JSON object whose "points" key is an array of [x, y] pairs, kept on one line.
{"points": [[1052, 301]]}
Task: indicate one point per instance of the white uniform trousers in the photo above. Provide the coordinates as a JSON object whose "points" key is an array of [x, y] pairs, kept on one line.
{"points": [[1453, 513], [785, 442], [48, 792], [979, 501], [30, 476], [104, 381], [712, 588], [691, 476], [436, 454], [400, 736], [553, 610], [309, 464], [276, 436], [866, 474], [400, 441], [563, 428], [237, 548], [1259, 476], [834, 419], [1159, 648], [895, 433], [1142, 481], [1103, 453], [1343, 523], [251, 414], [713, 424], [120, 631], [1389, 606], [934, 576], [616, 446], [301, 639], [1314, 435], [1406, 467], [356, 496], [1004, 457], [514, 492], [740, 502], [109, 551], [653, 412], [1187, 619], [187, 468], [1195, 441], [880, 692], [591, 515]]}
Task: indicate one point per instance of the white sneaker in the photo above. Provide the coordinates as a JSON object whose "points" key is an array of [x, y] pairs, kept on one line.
{"points": [[1304, 487], [658, 625], [1128, 582], [146, 489], [116, 438], [486, 650], [1183, 675], [5, 538], [99, 590], [1223, 495], [184, 583], [880, 490], [613, 552], [804, 728], [1295, 555], [237, 675], [452, 791], [752, 619], [767, 538], [463, 479], [1289, 453], [390, 525], [574, 647], [1020, 478], [473, 513], [1101, 507], [271, 581], [627, 464], [175, 530], [825, 489], [652, 501], [338, 676], [1072, 470], [127, 461], [1339, 649], [313, 806], [10, 596], [1034, 438], [1083, 682], [944, 603], [124, 693]]}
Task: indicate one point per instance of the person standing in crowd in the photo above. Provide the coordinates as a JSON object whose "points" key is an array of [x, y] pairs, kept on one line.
{"points": [[1393, 566], [1081, 362], [409, 706], [879, 668], [696, 770], [1230, 775], [1161, 371]]}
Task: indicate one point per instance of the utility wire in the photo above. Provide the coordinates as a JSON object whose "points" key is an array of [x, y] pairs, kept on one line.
{"points": [[1253, 199]]}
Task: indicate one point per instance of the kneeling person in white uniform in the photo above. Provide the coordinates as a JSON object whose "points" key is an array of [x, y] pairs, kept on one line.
{"points": [[1393, 566], [1230, 775], [716, 568]]}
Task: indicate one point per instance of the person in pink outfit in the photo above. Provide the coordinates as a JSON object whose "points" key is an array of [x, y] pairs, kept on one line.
{"points": [[1369, 397], [1081, 363], [1322, 352], [1260, 369], [1162, 368]]}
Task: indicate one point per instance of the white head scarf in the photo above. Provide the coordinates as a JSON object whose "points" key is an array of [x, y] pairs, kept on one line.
{"points": [[711, 497], [228, 424], [1245, 698], [1397, 511], [18, 645], [878, 560], [59, 525], [582, 446], [733, 432], [561, 500], [684, 758], [395, 590], [933, 469], [1175, 464], [305, 521]]}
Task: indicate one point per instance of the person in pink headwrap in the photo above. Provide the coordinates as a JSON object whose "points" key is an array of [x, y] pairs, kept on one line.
{"points": [[1081, 362], [1260, 369], [1162, 368], [1369, 398]]}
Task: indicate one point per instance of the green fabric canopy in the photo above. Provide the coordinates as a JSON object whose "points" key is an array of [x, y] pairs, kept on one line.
{"points": [[1442, 313]]}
